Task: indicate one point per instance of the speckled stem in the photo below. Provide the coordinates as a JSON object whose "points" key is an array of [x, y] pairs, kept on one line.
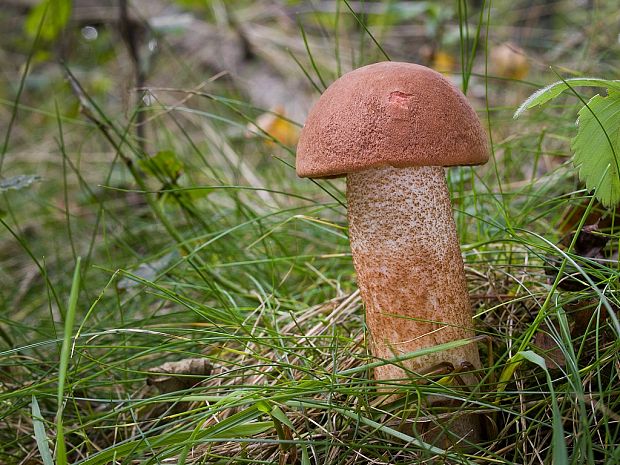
{"points": [[410, 271], [409, 266]]}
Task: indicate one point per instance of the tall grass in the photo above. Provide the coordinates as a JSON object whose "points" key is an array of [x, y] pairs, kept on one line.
{"points": [[230, 259]]}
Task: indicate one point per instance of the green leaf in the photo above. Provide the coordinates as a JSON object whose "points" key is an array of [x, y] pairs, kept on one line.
{"points": [[534, 358], [163, 164], [558, 441], [597, 146], [263, 406], [278, 414], [18, 182], [405, 11], [39, 433], [65, 355], [553, 90], [305, 457], [54, 15]]}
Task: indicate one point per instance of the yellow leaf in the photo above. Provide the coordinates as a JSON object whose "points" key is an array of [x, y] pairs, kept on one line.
{"points": [[276, 126], [509, 61], [443, 62]]}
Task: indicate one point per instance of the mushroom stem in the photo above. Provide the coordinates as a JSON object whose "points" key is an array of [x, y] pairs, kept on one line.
{"points": [[409, 267], [410, 273]]}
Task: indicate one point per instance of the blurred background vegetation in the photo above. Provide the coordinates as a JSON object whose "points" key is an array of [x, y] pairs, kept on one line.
{"points": [[155, 139]]}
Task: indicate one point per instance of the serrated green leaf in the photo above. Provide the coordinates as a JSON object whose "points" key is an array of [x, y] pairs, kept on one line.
{"points": [[553, 90], [53, 13], [164, 163], [18, 182], [597, 146]]}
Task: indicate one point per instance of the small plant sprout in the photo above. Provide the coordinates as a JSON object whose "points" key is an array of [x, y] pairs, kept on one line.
{"points": [[391, 128]]}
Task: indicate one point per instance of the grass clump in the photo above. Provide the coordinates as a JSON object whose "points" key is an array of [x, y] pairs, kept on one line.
{"points": [[218, 319]]}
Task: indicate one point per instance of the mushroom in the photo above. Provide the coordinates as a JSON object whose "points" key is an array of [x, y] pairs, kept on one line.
{"points": [[391, 128]]}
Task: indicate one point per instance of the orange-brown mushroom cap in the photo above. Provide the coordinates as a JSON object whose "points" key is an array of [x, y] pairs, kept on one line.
{"points": [[389, 114]]}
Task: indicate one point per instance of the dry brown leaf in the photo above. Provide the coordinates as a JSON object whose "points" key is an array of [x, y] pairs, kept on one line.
{"points": [[175, 376], [549, 350]]}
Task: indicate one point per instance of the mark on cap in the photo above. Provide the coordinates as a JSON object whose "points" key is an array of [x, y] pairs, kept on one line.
{"points": [[401, 99]]}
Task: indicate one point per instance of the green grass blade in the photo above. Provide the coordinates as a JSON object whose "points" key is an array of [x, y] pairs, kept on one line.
{"points": [[560, 453], [310, 56], [65, 353], [39, 433], [361, 23]]}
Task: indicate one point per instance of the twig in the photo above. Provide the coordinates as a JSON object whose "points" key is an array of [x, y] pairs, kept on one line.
{"points": [[129, 32]]}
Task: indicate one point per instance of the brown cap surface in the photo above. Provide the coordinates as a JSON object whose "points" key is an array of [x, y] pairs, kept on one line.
{"points": [[389, 114]]}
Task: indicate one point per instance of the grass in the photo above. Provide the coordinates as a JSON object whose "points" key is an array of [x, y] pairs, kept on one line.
{"points": [[216, 251]]}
